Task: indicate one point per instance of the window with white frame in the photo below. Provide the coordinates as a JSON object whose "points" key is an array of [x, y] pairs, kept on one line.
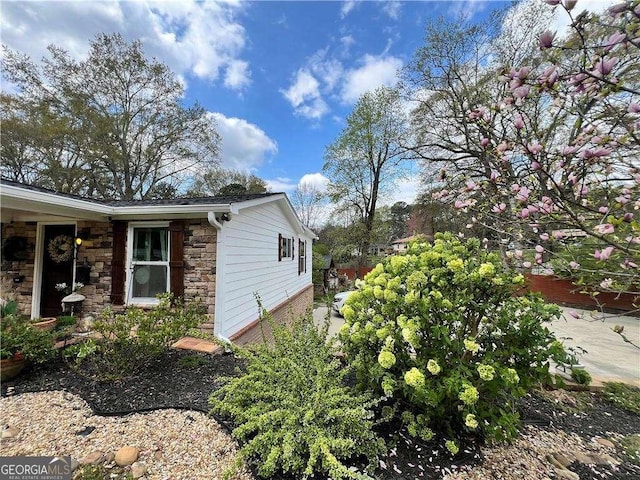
{"points": [[302, 257], [148, 262]]}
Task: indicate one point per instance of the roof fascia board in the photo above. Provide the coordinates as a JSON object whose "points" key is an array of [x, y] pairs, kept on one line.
{"points": [[24, 196]]}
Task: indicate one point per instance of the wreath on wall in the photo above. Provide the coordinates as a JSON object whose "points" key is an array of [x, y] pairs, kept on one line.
{"points": [[61, 248]]}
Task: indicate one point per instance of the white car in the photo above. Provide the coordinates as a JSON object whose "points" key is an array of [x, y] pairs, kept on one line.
{"points": [[339, 299]]}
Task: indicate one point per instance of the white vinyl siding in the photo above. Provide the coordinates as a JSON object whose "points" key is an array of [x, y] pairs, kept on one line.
{"points": [[252, 266]]}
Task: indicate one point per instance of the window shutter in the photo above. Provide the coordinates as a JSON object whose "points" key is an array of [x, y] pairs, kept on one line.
{"points": [[279, 247], [293, 248], [118, 258], [176, 258]]}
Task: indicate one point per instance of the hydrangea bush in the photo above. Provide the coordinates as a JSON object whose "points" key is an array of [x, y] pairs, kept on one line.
{"points": [[440, 333]]}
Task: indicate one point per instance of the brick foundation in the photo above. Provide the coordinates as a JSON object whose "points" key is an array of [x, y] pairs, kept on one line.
{"points": [[296, 306]]}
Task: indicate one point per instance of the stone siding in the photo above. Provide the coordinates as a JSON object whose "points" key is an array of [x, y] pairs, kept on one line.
{"points": [[21, 270], [296, 306], [200, 244]]}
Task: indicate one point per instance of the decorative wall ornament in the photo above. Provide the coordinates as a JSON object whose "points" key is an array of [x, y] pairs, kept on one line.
{"points": [[61, 248]]}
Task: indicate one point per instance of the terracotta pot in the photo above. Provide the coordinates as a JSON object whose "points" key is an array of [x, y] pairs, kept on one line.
{"points": [[47, 323], [10, 367]]}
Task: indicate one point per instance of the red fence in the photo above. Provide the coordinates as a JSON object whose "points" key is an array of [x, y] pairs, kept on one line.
{"points": [[559, 290]]}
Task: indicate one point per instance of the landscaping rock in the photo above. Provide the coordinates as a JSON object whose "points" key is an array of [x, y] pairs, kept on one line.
{"points": [[94, 458], [126, 456], [74, 464], [583, 458], [604, 459], [564, 474], [563, 459], [552, 460], [10, 432], [138, 469], [85, 324], [605, 443], [110, 457]]}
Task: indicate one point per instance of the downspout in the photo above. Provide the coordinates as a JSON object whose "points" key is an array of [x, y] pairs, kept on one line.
{"points": [[218, 313]]}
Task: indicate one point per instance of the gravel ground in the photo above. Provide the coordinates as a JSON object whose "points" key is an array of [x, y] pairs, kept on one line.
{"points": [[185, 443]]}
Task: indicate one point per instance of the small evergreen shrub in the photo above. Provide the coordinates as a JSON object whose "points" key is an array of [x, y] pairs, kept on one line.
{"points": [[130, 341], [440, 334], [581, 376], [292, 410]]}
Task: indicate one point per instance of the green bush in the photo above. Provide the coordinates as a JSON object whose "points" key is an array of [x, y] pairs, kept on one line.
{"points": [[292, 410], [130, 341], [439, 332], [20, 339], [581, 376]]}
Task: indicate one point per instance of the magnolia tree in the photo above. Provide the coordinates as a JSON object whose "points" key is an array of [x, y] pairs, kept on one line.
{"points": [[559, 169]]}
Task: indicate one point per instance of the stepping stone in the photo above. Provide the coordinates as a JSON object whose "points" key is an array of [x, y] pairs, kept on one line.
{"points": [[197, 345]]}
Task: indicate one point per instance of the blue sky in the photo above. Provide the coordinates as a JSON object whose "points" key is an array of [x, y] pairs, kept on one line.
{"points": [[279, 77]]}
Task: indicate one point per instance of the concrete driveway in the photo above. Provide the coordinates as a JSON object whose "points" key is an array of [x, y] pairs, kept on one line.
{"points": [[608, 357]]}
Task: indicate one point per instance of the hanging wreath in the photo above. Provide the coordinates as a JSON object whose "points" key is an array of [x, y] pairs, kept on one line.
{"points": [[61, 248]]}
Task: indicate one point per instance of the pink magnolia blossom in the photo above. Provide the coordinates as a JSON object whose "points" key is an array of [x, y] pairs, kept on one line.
{"points": [[499, 208], [521, 92], [515, 187], [631, 239], [627, 217], [558, 234], [604, 228], [574, 314], [502, 147], [494, 175], [574, 265], [524, 213], [623, 199], [518, 253], [535, 166], [523, 194], [604, 66], [618, 9], [634, 107], [546, 39], [539, 248], [603, 254], [628, 264], [603, 209], [471, 185], [534, 148], [570, 150], [538, 258], [526, 264], [544, 237], [614, 39], [518, 122], [484, 142]]}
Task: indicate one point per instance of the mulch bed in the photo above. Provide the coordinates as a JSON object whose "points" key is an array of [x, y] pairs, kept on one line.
{"points": [[173, 382]]}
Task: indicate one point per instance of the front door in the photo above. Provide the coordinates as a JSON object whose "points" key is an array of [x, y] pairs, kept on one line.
{"points": [[57, 267]]}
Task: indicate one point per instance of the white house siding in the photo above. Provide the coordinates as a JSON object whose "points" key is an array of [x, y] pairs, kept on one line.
{"points": [[251, 266]]}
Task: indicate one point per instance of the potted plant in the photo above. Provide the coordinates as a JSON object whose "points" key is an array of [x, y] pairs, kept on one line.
{"points": [[21, 342]]}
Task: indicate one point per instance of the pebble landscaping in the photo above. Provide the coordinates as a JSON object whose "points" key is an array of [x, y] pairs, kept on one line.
{"points": [[183, 444]]}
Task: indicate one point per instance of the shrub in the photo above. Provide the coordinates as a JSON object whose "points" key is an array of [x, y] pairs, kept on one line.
{"points": [[581, 376], [20, 339], [130, 341], [439, 332], [292, 410]]}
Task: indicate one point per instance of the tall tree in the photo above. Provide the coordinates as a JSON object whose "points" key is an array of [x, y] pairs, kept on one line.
{"points": [[226, 181], [309, 202], [115, 120], [366, 159]]}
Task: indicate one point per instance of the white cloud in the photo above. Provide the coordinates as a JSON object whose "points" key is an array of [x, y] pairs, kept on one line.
{"points": [[315, 180], [281, 184], [199, 38], [375, 72], [392, 9], [237, 75], [347, 6], [467, 8], [244, 145], [406, 191], [304, 96]]}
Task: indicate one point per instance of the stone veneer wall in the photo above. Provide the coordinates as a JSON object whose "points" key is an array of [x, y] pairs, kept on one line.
{"points": [[296, 306], [200, 245], [21, 292], [199, 274]]}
